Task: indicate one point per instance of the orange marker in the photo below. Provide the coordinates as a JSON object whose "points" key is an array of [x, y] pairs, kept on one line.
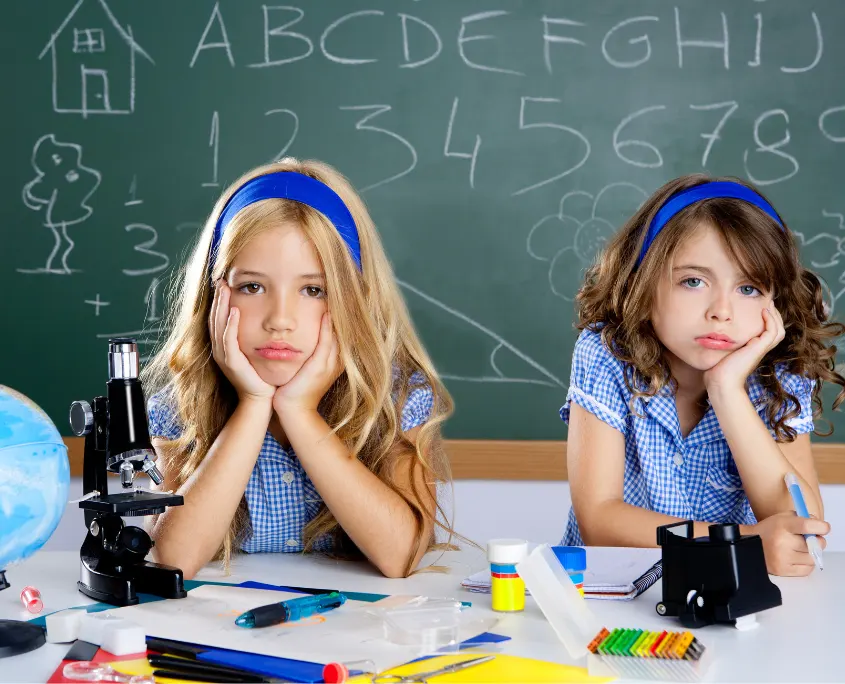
{"points": [[594, 644], [665, 644]]}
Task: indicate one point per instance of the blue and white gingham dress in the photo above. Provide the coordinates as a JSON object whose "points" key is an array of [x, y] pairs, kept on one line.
{"points": [[280, 496], [692, 478]]}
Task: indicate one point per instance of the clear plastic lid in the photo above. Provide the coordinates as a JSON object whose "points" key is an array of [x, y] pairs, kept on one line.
{"points": [[431, 624], [556, 595]]}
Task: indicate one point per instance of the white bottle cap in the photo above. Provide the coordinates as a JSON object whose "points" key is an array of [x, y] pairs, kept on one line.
{"points": [[507, 551]]}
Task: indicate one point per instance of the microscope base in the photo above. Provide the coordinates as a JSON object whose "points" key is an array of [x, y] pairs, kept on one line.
{"points": [[120, 587]]}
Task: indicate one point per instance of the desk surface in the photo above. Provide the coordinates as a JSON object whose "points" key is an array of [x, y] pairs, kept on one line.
{"points": [[796, 642]]}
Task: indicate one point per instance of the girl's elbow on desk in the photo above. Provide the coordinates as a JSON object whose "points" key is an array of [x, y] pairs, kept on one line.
{"points": [[393, 565], [189, 569], [392, 570], [166, 554]]}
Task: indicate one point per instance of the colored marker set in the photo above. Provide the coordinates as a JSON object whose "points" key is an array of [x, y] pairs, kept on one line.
{"points": [[622, 653], [644, 654]]}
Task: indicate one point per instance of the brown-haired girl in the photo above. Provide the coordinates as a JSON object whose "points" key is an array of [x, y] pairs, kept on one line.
{"points": [[698, 374]]}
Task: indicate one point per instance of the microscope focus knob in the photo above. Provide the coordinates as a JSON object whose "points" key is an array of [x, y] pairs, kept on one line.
{"points": [[81, 418]]}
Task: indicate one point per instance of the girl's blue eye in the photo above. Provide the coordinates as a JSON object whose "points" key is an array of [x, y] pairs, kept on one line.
{"points": [[693, 283], [314, 291], [250, 288], [749, 290]]}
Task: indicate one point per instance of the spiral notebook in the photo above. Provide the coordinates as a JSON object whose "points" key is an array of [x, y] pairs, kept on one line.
{"points": [[613, 573]]}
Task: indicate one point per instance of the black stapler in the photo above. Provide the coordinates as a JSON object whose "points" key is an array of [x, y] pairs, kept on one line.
{"points": [[721, 578]]}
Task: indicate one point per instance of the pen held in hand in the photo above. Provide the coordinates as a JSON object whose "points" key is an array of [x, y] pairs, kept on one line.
{"points": [[801, 509]]}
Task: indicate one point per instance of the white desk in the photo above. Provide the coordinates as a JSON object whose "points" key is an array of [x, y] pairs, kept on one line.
{"points": [[797, 642]]}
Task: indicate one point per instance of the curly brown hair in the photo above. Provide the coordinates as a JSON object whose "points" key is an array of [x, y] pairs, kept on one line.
{"points": [[617, 297]]}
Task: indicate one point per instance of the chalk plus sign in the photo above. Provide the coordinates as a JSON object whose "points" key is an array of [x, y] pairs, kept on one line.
{"points": [[96, 302]]}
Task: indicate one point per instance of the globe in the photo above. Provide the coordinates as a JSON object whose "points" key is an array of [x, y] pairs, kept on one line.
{"points": [[34, 477]]}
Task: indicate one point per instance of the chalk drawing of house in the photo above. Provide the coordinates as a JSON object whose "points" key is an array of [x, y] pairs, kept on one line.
{"points": [[93, 60]]}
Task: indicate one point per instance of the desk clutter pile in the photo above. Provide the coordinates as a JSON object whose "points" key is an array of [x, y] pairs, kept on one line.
{"points": [[372, 638], [216, 634]]}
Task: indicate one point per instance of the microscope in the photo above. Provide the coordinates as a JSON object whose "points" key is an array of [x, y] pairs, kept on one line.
{"points": [[113, 567]]}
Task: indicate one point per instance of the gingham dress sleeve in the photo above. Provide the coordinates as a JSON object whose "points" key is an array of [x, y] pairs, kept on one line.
{"points": [[597, 382], [802, 389], [163, 419], [418, 406]]}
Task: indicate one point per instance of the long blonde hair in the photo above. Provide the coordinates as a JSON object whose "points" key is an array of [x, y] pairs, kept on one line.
{"points": [[617, 296], [379, 350]]}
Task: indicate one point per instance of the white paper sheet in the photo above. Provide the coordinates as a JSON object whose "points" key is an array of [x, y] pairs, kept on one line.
{"points": [[207, 617]]}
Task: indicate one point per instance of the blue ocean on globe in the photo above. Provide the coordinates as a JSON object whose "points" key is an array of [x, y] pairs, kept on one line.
{"points": [[34, 477]]}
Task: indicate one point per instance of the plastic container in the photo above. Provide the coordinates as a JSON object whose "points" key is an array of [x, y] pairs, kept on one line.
{"points": [[426, 623], [573, 559], [581, 631], [430, 624], [559, 600], [506, 586], [31, 599]]}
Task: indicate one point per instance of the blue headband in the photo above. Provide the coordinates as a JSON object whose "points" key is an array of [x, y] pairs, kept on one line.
{"points": [[695, 194], [299, 188]]}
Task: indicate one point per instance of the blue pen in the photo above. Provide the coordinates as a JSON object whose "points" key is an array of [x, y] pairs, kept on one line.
{"points": [[290, 610], [801, 509]]}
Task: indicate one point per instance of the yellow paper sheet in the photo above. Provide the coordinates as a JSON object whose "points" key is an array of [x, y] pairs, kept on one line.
{"points": [[500, 670]]}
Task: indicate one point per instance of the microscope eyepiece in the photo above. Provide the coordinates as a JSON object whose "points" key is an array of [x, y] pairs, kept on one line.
{"points": [[124, 363]]}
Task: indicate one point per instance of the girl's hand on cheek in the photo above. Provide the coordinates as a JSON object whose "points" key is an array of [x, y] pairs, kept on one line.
{"points": [[304, 390], [223, 328], [733, 370]]}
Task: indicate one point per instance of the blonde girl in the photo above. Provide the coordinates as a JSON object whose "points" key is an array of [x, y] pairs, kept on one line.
{"points": [[293, 404]]}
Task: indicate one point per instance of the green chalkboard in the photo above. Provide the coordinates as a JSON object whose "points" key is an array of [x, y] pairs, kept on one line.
{"points": [[497, 145]]}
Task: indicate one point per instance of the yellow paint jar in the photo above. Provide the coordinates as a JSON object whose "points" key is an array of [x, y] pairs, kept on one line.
{"points": [[507, 587]]}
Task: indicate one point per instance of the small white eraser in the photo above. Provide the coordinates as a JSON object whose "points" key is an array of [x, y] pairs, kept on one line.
{"points": [[63, 627], [747, 622], [125, 639], [93, 626]]}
